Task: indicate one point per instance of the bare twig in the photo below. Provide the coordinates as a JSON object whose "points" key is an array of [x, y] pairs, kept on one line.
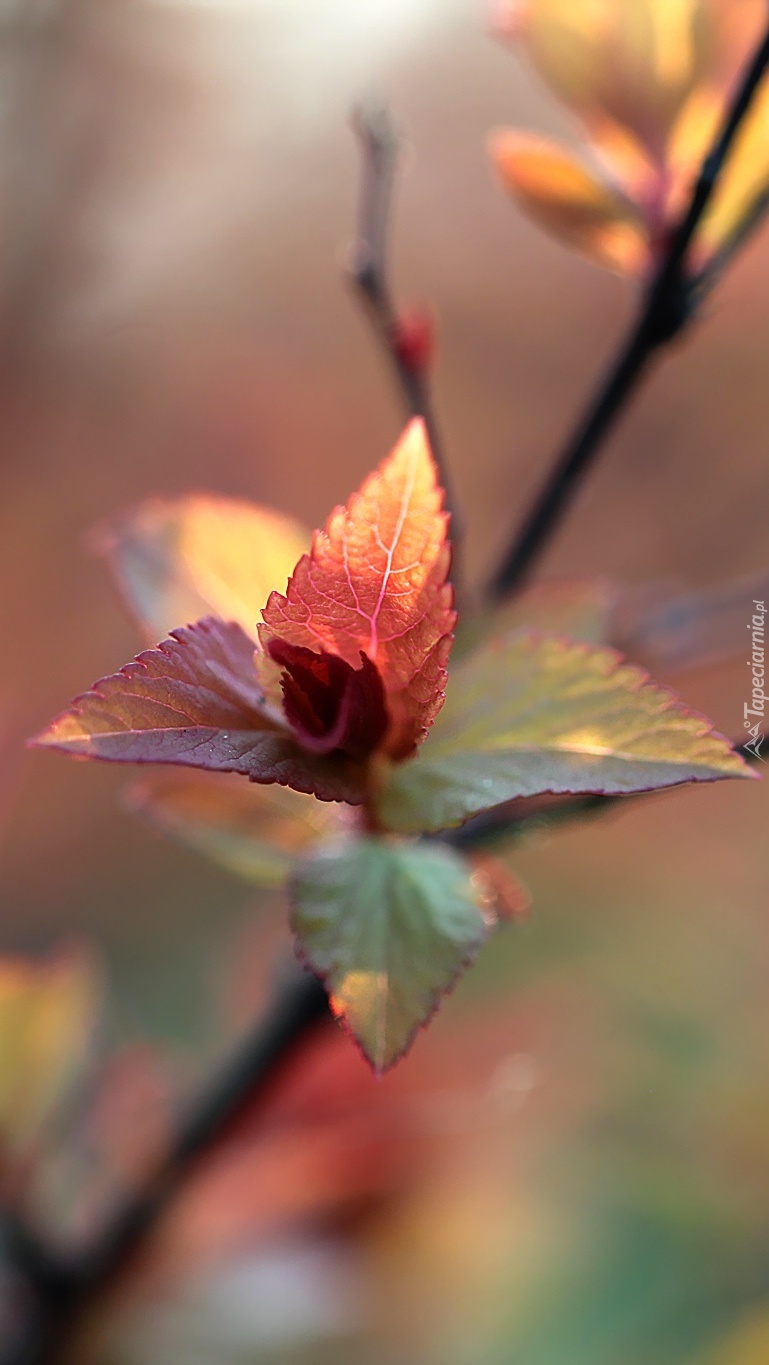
{"points": [[670, 303], [61, 1295], [407, 354]]}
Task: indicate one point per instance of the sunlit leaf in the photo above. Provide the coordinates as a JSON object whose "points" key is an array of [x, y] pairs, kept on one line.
{"points": [[256, 832], [179, 559], [527, 714], [48, 1011], [745, 179], [690, 138], [195, 702], [572, 202], [649, 81], [388, 927], [375, 584], [632, 63]]}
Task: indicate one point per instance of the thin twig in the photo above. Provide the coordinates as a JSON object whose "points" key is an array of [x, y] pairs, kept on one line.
{"points": [[369, 274], [61, 1300], [670, 303]]}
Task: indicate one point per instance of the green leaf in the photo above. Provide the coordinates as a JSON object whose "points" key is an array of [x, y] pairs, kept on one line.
{"points": [[389, 928], [528, 714]]}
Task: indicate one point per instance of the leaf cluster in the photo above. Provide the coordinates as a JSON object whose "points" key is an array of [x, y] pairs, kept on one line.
{"points": [[341, 695]]}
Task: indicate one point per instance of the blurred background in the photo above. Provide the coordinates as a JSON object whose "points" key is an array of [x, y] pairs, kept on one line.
{"points": [[572, 1167]]}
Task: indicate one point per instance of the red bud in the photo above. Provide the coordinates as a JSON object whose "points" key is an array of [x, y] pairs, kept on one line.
{"points": [[414, 341]]}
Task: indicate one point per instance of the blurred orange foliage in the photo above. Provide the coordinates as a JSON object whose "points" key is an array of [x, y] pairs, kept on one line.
{"points": [[648, 82]]}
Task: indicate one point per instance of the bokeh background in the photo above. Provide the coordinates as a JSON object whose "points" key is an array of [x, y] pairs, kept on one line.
{"points": [[572, 1168]]}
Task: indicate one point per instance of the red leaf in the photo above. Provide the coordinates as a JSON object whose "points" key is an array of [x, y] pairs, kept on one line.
{"points": [[194, 702], [375, 583], [329, 704]]}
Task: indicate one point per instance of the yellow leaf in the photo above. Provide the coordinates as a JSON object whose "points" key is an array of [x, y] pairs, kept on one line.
{"points": [[690, 138], [574, 204], [745, 178], [179, 559], [47, 1015], [748, 1345], [632, 63]]}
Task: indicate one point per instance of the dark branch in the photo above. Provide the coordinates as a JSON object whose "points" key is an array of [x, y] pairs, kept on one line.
{"points": [[407, 352], [670, 303], [60, 1296]]}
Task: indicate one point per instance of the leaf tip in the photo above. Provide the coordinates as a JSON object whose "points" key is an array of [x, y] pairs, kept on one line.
{"points": [[413, 449], [59, 733]]}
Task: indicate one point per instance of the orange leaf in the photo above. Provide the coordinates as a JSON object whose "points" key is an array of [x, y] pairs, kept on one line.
{"points": [[375, 584], [649, 81], [634, 64], [574, 204]]}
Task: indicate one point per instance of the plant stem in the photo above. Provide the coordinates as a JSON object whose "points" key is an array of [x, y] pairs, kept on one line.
{"points": [[369, 274], [61, 1300], [550, 505], [670, 302]]}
